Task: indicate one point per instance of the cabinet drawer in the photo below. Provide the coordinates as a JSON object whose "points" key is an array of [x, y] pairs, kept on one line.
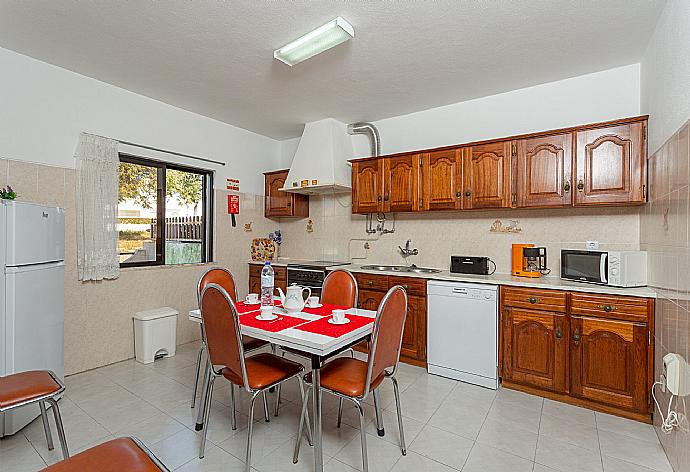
{"points": [[608, 306], [546, 300], [412, 285], [372, 282], [278, 272]]}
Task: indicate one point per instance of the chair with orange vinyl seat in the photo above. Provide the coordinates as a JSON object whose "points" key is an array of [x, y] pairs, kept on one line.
{"points": [[339, 288], [35, 386], [116, 455], [222, 277], [354, 379], [256, 374]]}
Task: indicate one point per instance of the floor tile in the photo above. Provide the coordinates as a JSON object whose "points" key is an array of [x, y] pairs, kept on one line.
{"points": [[645, 453], [411, 428], [578, 434], [442, 446], [265, 440], [617, 465], [382, 455], [508, 438], [488, 459], [178, 449], [335, 465], [20, 459], [570, 413], [516, 415], [215, 460], [459, 418], [414, 462], [566, 457], [281, 460], [626, 427], [152, 430]]}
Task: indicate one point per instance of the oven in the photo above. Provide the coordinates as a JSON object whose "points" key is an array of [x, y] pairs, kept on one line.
{"points": [[310, 274]]}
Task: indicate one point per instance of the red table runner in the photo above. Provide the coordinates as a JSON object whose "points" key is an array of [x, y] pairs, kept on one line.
{"points": [[272, 326], [322, 326], [324, 310]]}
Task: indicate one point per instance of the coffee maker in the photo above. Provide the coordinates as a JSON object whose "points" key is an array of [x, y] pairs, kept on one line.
{"points": [[529, 261]]}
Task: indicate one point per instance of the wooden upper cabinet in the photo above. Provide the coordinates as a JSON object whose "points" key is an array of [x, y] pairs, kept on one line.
{"points": [[367, 186], [535, 348], [401, 183], [609, 362], [544, 171], [486, 175], [611, 165], [280, 203], [441, 187]]}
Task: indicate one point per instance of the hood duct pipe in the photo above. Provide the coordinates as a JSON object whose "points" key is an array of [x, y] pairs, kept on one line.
{"points": [[370, 130]]}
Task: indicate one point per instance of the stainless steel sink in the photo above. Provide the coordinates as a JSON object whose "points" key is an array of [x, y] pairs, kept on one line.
{"points": [[396, 268]]}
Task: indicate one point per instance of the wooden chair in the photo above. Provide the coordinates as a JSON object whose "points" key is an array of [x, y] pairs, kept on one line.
{"points": [[35, 386], [117, 455], [224, 278], [354, 379], [256, 374]]}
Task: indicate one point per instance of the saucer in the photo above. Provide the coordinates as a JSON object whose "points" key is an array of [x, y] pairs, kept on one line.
{"points": [[345, 321], [318, 305], [270, 317], [258, 302]]}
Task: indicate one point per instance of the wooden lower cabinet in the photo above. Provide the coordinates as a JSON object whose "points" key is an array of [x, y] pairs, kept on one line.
{"points": [[372, 289], [602, 359], [535, 346], [279, 278]]}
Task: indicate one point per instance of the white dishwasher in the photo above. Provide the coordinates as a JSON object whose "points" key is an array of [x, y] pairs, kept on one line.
{"points": [[462, 332]]}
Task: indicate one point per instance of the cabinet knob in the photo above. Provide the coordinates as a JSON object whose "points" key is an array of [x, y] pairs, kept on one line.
{"points": [[533, 300], [559, 332], [566, 186], [379, 199], [607, 308], [370, 282], [458, 194], [406, 287], [385, 199], [576, 337], [580, 185], [468, 193], [289, 204]]}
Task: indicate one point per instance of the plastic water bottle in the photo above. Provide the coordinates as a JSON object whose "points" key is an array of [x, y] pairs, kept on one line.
{"points": [[267, 285]]}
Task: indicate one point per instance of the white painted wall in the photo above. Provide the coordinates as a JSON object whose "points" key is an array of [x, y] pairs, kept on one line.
{"points": [[665, 72], [590, 98], [43, 108]]}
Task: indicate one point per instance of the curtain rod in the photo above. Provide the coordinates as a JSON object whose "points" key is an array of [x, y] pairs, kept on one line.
{"points": [[175, 153]]}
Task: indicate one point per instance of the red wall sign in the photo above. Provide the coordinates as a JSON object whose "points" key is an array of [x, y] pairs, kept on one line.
{"points": [[233, 204]]}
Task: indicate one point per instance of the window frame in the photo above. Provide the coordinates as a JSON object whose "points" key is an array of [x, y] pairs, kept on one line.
{"points": [[161, 190]]}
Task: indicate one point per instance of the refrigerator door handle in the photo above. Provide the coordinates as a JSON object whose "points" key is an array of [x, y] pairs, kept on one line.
{"points": [[28, 268]]}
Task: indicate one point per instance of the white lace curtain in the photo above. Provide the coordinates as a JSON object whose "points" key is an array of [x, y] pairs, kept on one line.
{"points": [[97, 189]]}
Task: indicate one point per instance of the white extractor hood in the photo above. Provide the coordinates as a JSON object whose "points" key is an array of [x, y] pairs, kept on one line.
{"points": [[320, 163]]}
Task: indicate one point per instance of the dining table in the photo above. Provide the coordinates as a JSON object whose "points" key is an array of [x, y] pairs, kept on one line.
{"points": [[309, 332]]}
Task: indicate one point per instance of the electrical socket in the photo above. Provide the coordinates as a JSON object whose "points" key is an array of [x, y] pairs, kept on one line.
{"points": [[591, 245]]}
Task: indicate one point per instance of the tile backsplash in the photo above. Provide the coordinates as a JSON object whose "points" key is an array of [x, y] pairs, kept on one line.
{"points": [[664, 234]]}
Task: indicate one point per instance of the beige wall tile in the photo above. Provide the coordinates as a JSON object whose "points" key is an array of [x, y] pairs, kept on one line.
{"points": [[51, 185], [23, 177], [4, 166]]}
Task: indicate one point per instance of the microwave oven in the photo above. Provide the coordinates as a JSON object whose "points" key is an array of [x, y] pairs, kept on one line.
{"points": [[615, 268]]}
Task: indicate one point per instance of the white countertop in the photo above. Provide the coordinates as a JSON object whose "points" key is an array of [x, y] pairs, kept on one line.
{"points": [[550, 282]]}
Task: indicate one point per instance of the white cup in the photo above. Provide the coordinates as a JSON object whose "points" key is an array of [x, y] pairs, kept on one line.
{"points": [[338, 316], [313, 301], [252, 298], [266, 312]]}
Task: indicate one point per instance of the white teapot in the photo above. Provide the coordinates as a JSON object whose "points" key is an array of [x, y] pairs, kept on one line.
{"points": [[293, 302]]}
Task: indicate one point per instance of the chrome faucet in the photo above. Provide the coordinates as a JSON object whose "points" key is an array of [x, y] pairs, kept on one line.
{"points": [[406, 251]]}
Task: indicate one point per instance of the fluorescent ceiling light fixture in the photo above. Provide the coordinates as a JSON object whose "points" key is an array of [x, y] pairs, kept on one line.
{"points": [[315, 42]]}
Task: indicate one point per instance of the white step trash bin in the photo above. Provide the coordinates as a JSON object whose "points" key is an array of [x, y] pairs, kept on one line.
{"points": [[155, 334]]}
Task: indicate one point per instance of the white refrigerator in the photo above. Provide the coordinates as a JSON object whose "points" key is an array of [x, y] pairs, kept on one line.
{"points": [[32, 253]]}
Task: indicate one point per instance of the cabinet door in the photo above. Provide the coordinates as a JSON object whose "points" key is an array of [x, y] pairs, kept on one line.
{"points": [[442, 180], [611, 165], [367, 186], [277, 202], [609, 362], [255, 285], [370, 299], [401, 183], [414, 334], [543, 171], [535, 348], [486, 174]]}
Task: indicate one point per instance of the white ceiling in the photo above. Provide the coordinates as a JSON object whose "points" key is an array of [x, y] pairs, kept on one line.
{"points": [[216, 57]]}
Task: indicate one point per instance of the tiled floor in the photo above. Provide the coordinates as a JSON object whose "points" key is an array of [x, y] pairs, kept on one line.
{"points": [[448, 426]]}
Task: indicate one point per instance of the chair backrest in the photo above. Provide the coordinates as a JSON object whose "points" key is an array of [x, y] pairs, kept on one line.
{"points": [[386, 338], [222, 333], [219, 276], [340, 288]]}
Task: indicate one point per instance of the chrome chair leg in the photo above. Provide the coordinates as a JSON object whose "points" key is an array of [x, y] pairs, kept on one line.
{"points": [[59, 426], [250, 427], [233, 415], [207, 414], [204, 396], [303, 414], [363, 436], [340, 412], [275, 413], [46, 426], [267, 415], [379, 417], [198, 370], [305, 401], [403, 447]]}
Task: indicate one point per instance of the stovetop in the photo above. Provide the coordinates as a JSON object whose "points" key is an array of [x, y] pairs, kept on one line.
{"points": [[315, 264]]}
